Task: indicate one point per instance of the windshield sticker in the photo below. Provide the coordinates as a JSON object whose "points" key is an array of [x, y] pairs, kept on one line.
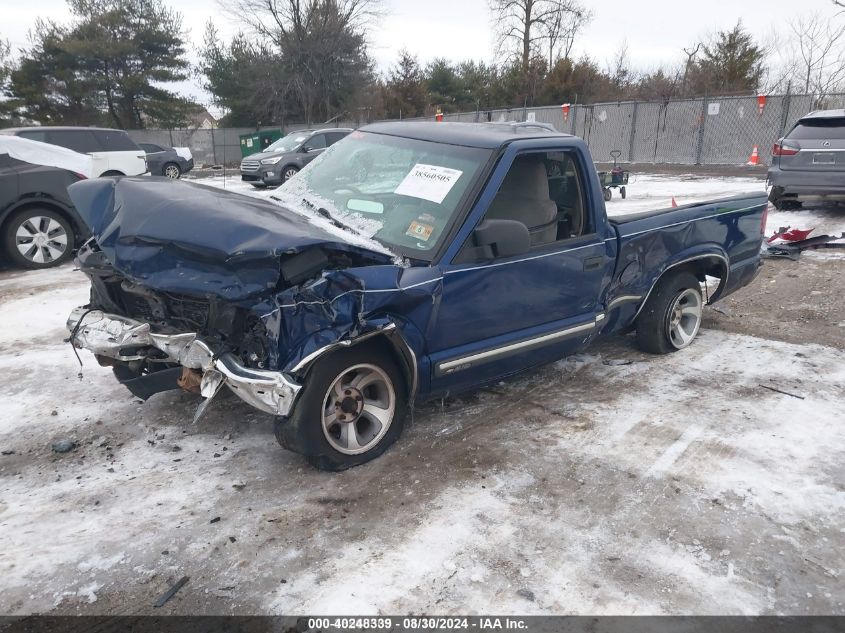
{"points": [[419, 230], [429, 182]]}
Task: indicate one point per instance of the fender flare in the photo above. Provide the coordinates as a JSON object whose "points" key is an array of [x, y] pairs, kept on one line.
{"points": [[392, 334], [713, 254]]}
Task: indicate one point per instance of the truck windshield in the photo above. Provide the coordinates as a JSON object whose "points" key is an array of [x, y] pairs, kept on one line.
{"points": [[402, 192]]}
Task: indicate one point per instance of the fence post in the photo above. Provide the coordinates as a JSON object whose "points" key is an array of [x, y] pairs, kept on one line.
{"points": [[214, 145], [633, 132], [784, 110], [700, 147]]}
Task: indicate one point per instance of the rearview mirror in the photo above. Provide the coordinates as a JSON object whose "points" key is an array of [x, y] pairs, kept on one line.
{"points": [[505, 238]]}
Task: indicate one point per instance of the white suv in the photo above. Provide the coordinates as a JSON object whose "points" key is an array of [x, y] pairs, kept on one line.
{"points": [[112, 151]]}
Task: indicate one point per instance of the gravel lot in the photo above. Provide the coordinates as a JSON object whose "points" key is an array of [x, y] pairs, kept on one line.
{"points": [[611, 482]]}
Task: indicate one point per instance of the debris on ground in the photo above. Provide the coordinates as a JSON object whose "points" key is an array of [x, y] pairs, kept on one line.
{"points": [[786, 393], [63, 446], [794, 241], [167, 595]]}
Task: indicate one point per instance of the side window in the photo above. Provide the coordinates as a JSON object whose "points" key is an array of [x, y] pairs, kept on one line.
{"points": [[81, 141], [34, 135], [545, 192], [334, 137], [115, 141], [318, 141], [150, 148]]}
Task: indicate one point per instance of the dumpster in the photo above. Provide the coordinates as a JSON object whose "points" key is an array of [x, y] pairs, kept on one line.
{"points": [[258, 141]]}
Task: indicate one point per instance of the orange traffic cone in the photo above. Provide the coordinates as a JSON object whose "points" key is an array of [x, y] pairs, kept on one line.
{"points": [[755, 157], [674, 204]]}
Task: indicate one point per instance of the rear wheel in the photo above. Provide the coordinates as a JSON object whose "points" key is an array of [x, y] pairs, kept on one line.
{"points": [[353, 406], [258, 185], [171, 170], [38, 238], [622, 192], [112, 172], [671, 317], [781, 201], [608, 194]]}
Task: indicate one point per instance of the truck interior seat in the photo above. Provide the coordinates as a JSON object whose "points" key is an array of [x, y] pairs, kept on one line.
{"points": [[524, 196]]}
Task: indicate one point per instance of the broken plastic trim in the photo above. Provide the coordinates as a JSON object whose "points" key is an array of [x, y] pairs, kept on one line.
{"points": [[125, 339]]}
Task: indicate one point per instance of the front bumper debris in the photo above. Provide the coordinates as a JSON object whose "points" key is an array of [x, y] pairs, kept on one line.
{"points": [[126, 340]]}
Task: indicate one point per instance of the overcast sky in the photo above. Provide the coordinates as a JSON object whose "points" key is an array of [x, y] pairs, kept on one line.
{"points": [[655, 30]]}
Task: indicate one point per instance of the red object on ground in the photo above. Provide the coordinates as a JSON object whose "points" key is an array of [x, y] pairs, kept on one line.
{"points": [[796, 235], [439, 117], [674, 204]]}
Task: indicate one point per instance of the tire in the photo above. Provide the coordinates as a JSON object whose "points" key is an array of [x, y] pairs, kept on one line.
{"points": [[671, 317], [258, 185], [623, 192], [171, 170], [112, 172], [608, 194], [23, 232], [315, 428], [289, 172], [781, 202]]}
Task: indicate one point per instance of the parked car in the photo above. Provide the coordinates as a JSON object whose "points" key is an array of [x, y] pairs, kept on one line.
{"points": [[168, 161], [455, 255], [809, 162], [113, 152], [39, 226], [283, 159]]}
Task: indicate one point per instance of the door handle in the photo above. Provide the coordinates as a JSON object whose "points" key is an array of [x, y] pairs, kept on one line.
{"points": [[593, 263]]}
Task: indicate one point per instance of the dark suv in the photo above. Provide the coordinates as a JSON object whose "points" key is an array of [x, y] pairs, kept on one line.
{"points": [[39, 226], [809, 162], [284, 158]]}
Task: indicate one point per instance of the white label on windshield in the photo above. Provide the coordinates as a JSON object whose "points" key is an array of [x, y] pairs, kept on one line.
{"points": [[429, 182]]}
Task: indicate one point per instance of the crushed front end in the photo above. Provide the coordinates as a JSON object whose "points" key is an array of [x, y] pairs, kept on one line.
{"points": [[156, 341]]}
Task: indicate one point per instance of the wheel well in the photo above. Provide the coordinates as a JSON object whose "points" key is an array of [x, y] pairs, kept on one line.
{"points": [[112, 172], [392, 342], [40, 204], [705, 266]]}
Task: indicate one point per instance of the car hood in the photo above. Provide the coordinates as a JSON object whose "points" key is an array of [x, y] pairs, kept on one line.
{"points": [[183, 237]]}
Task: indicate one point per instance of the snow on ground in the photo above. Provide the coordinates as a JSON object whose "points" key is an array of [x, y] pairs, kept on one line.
{"points": [[611, 482]]}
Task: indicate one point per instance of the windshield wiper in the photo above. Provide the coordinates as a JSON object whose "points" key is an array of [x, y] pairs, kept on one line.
{"points": [[326, 214]]}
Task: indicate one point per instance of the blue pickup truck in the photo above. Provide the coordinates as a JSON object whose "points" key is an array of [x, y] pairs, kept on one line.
{"points": [[408, 261]]}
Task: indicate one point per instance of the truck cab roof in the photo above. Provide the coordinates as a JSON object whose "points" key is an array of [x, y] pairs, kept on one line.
{"points": [[481, 135]]}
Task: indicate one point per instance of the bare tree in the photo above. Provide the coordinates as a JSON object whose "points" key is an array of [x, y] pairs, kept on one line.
{"points": [[565, 22], [521, 26], [818, 59], [322, 42]]}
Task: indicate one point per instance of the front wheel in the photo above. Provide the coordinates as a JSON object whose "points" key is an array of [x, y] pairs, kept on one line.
{"points": [[608, 194], [353, 406], [671, 317], [289, 172], [38, 238]]}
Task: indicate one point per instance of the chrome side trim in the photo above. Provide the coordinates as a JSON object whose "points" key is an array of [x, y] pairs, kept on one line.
{"points": [[684, 261], [310, 358], [393, 335], [623, 299], [465, 362]]}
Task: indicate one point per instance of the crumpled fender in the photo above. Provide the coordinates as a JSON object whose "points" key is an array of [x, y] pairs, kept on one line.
{"points": [[341, 308]]}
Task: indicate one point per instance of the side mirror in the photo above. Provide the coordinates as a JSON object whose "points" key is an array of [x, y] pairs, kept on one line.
{"points": [[504, 238]]}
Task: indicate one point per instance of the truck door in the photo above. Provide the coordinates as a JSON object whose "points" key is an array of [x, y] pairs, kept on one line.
{"points": [[501, 314]]}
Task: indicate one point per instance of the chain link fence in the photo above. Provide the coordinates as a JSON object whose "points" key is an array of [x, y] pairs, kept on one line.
{"points": [[706, 131]]}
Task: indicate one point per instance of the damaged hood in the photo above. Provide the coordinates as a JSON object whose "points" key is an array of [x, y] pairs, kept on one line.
{"points": [[181, 237]]}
